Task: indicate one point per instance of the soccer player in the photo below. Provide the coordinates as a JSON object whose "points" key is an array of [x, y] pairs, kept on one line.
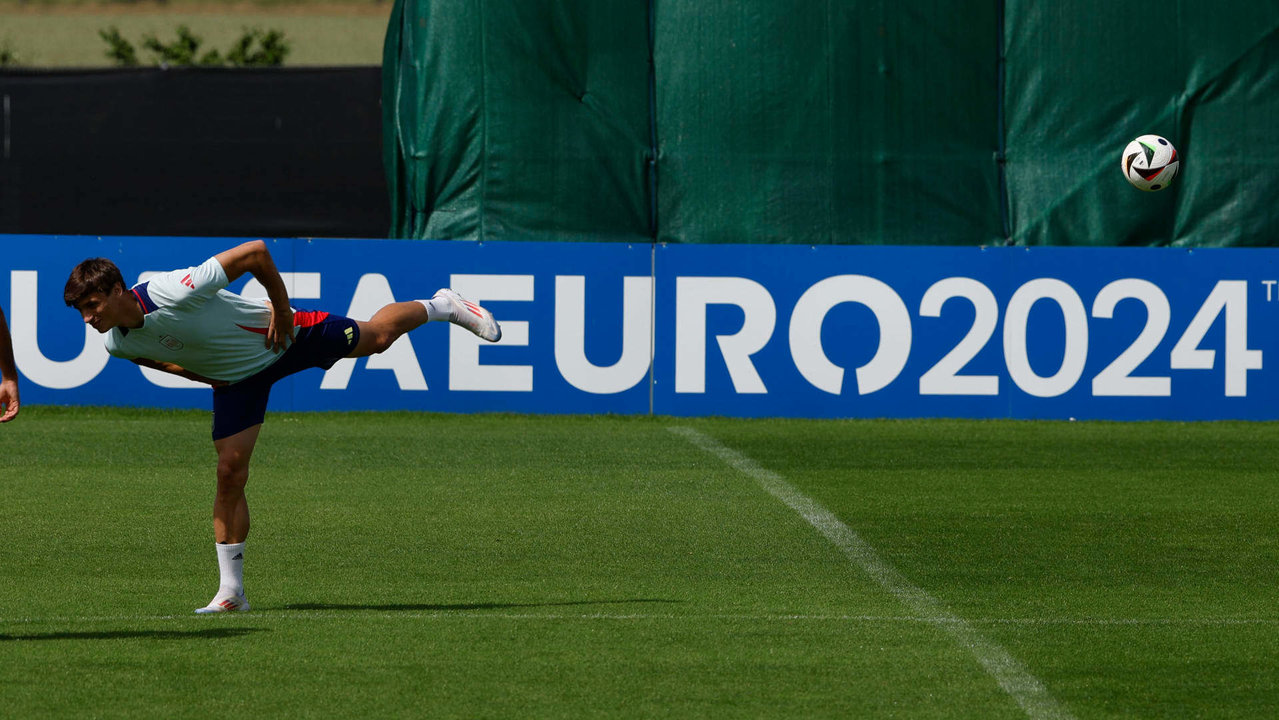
{"points": [[8, 375], [185, 322]]}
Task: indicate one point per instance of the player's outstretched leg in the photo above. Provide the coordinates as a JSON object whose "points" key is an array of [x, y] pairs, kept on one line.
{"points": [[465, 313], [391, 321]]}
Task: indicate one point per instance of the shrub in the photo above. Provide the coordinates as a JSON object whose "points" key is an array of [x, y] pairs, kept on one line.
{"points": [[8, 58], [254, 48], [119, 50]]}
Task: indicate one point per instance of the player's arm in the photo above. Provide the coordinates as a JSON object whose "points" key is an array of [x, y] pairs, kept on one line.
{"points": [[177, 370], [254, 258], [8, 375]]}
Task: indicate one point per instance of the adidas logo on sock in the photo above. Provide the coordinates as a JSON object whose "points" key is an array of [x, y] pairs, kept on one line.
{"points": [[238, 556]]}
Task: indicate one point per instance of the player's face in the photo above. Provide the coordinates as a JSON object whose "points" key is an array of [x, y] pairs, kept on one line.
{"points": [[102, 311]]}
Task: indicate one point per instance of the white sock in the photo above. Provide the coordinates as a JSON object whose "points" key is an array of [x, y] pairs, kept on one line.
{"points": [[438, 309], [231, 565]]}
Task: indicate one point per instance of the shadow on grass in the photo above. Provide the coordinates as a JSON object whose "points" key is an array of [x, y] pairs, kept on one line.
{"points": [[420, 607], [207, 634]]}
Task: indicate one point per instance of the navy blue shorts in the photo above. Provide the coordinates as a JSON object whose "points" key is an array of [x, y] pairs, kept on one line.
{"points": [[320, 340]]}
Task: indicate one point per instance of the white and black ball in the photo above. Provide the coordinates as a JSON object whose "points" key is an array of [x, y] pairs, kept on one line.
{"points": [[1150, 163]]}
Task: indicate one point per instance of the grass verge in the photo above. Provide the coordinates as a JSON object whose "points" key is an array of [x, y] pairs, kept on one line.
{"points": [[416, 565]]}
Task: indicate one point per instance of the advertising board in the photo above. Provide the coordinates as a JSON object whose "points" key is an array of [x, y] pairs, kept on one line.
{"points": [[736, 330]]}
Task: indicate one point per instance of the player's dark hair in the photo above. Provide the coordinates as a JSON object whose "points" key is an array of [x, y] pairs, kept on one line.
{"points": [[92, 275]]}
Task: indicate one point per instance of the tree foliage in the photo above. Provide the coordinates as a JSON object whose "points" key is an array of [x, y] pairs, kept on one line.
{"points": [[254, 48]]}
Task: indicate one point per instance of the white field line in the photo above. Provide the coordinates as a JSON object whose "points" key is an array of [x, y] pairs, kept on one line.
{"points": [[274, 614], [1015, 679]]}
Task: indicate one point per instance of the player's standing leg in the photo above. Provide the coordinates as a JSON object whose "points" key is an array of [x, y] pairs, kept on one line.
{"points": [[231, 518]]}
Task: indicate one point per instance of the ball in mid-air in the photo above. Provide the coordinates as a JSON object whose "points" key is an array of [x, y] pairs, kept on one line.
{"points": [[1150, 163]]}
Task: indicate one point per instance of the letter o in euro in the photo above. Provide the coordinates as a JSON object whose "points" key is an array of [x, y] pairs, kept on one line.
{"points": [[806, 333]]}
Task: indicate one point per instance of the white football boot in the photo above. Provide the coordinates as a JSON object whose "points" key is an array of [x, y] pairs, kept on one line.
{"points": [[224, 603], [471, 316]]}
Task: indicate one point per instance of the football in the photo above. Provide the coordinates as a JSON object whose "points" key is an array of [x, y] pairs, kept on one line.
{"points": [[1150, 163]]}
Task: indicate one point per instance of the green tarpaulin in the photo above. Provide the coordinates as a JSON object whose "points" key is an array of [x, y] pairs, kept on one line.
{"points": [[757, 121]]}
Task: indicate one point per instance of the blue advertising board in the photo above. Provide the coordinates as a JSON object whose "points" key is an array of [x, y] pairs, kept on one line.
{"points": [[747, 330], [1118, 333]]}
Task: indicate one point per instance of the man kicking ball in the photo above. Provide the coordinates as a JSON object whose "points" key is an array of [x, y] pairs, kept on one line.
{"points": [[185, 322]]}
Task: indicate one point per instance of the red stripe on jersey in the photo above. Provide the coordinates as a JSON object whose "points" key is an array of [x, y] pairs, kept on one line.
{"points": [[307, 318], [301, 319]]}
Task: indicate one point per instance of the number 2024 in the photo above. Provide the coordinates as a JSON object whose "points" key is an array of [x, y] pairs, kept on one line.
{"points": [[1228, 297]]}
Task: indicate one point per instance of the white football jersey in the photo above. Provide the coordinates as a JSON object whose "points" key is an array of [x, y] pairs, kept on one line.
{"points": [[191, 320]]}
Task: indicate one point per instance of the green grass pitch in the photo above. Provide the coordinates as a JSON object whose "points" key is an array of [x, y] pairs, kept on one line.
{"points": [[410, 565]]}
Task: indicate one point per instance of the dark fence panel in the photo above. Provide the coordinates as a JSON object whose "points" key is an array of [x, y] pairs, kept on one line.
{"points": [[274, 153]]}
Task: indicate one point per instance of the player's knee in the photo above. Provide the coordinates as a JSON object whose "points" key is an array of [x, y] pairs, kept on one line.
{"points": [[232, 476], [381, 341]]}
